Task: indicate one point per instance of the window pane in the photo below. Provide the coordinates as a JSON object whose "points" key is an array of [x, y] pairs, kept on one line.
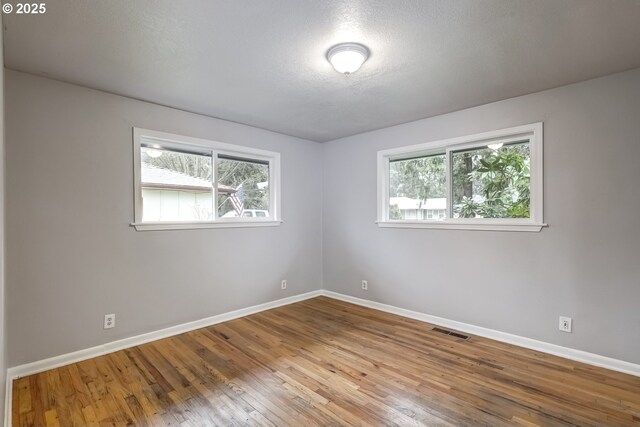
{"points": [[243, 188], [492, 182], [175, 186], [417, 187]]}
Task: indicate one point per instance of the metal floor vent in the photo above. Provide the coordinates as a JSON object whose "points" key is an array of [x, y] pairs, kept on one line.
{"points": [[451, 333]]}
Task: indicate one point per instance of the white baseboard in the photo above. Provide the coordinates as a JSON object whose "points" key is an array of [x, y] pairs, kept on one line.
{"points": [[77, 356], [80, 355], [89, 353], [100, 350], [556, 350]]}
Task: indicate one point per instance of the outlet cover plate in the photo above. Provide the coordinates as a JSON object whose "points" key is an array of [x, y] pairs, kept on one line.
{"points": [[565, 324], [109, 321]]}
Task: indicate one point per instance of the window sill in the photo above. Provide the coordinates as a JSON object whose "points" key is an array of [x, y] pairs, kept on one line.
{"points": [[530, 227], [155, 226]]}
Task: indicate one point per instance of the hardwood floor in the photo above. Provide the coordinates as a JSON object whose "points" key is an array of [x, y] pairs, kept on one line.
{"points": [[325, 362]]}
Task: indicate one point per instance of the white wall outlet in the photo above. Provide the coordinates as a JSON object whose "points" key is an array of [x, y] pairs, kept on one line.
{"points": [[109, 321], [283, 285], [365, 285], [565, 324]]}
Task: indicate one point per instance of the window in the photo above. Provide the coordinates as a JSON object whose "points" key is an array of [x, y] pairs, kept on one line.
{"points": [[250, 179], [183, 182], [488, 181]]}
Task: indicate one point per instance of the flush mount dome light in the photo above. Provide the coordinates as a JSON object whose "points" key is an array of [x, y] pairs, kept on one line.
{"points": [[347, 58], [153, 153]]}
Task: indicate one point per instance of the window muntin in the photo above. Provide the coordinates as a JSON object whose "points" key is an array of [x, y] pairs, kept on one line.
{"points": [[491, 180], [183, 182]]}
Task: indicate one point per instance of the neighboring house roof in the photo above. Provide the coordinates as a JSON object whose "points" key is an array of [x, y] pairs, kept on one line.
{"points": [[405, 203], [156, 177]]}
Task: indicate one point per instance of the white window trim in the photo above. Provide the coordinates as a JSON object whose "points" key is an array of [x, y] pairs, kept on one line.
{"points": [[214, 147], [533, 132]]}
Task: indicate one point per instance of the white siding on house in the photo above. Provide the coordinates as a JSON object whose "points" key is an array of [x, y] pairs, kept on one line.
{"points": [[433, 208], [176, 205]]}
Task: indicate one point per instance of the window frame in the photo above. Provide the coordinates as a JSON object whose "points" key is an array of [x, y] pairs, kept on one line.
{"points": [[531, 132], [143, 137]]}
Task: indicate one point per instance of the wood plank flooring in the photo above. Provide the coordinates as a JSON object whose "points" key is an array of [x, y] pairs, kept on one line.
{"points": [[325, 362]]}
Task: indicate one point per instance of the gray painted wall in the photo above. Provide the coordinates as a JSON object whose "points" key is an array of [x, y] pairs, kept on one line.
{"points": [[585, 265], [71, 255], [3, 347]]}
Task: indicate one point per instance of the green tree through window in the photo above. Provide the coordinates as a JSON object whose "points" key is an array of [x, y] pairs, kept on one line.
{"points": [[492, 182]]}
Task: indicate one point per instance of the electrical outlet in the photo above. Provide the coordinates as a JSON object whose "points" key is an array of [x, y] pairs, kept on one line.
{"points": [[283, 285], [109, 321], [565, 324], [365, 285]]}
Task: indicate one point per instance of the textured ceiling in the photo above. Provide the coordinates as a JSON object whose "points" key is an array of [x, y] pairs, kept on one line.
{"points": [[263, 62]]}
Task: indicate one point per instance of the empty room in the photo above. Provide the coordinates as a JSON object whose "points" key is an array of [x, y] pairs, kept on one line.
{"points": [[320, 213]]}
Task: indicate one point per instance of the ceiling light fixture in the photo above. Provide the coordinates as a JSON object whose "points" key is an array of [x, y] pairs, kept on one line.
{"points": [[153, 153], [495, 146], [347, 58]]}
